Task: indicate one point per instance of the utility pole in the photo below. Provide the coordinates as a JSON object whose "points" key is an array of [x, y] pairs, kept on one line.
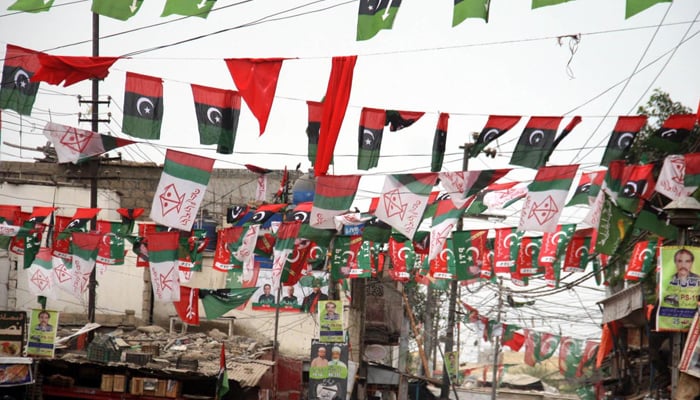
{"points": [[94, 164], [497, 341]]}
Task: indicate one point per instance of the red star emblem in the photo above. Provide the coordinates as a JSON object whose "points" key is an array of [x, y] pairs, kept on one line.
{"points": [[40, 280], [165, 281], [170, 199], [544, 211], [393, 204], [76, 139]]}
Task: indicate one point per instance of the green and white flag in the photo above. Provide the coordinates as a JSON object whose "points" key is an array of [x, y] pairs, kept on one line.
{"points": [[403, 201], [31, 6], [190, 8], [334, 196], [217, 302], [546, 198], [40, 278], [375, 15], [83, 248], [162, 260], [181, 189], [117, 9], [464, 9]]}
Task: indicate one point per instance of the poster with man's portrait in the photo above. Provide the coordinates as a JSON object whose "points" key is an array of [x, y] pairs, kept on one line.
{"points": [[330, 319], [679, 287], [42, 333], [328, 371]]}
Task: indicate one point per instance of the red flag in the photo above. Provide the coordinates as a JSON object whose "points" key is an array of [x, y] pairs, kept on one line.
{"points": [[641, 260], [70, 69], [506, 245], [334, 106], [187, 307], [400, 252], [256, 80]]}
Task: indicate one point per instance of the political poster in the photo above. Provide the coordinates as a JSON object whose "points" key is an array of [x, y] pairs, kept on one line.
{"points": [[330, 319], [679, 287], [328, 372], [42, 333], [12, 333]]}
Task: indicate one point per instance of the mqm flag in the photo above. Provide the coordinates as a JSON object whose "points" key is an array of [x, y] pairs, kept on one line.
{"points": [[506, 246], [588, 186], [83, 248], [673, 133], [570, 355], [469, 248], [546, 198], [634, 7], [370, 137], [71, 69], [642, 260], [218, 302], [671, 182], [536, 142], [162, 260], [222, 378], [375, 15], [76, 145], [117, 9], [403, 201], [496, 126], [402, 258], [285, 245], [637, 184], [111, 249], [218, 111], [512, 338], [461, 185], [187, 307], [32, 6], [143, 106], [398, 120], [439, 142], [613, 228], [17, 92], [334, 196], [622, 137], [443, 223], [40, 281], [256, 81], [313, 128], [464, 9], [545, 3], [655, 220], [188, 8], [499, 195], [181, 189], [692, 170]]}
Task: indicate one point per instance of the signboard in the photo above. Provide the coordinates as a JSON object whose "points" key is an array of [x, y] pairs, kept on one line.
{"points": [[12, 325], [42, 333], [15, 371], [330, 319], [679, 287], [328, 372]]}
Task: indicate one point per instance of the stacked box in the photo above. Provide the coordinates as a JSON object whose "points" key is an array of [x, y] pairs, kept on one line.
{"points": [[136, 386], [173, 388], [119, 383], [107, 383]]}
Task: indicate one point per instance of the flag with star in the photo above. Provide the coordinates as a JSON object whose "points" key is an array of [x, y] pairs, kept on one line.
{"points": [[398, 120], [506, 245], [162, 260], [570, 355], [188, 8], [634, 7], [17, 91], [545, 3], [369, 137], [439, 142], [74, 145], [40, 278], [181, 189], [692, 170], [83, 249], [117, 9], [313, 127], [546, 198], [535, 142], [587, 188], [637, 184], [404, 199], [31, 6], [673, 134], [671, 181], [218, 111], [496, 126], [577, 252], [642, 260], [143, 106], [334, 196], [464, 9], [622, 137], [402, 257], [375, 15], [469, 248]]}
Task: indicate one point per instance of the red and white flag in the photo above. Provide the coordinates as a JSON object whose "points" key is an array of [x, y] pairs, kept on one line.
{"points": [[546, 198], [403, 201], [671, 177]]}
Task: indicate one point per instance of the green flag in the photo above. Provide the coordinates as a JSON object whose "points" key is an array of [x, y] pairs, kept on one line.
{"points": [[217, 116], [374, 16], [613, 228], [190, 8], [17, 92], [634, 7], [143, 106], [545, 3], [117, 9], [570, 355], [464, 9], [218, 302], [32, 6], [222, 386]]}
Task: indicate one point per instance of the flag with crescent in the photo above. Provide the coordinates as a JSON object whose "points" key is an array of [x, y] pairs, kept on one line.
{"points": [[398, 120], [637, 184], [369, 137], [496, 126], [218, 112], [469, 248], [17, 91], [622, 137], [373, 16], [552, 251], [642, 260], [111, 249], [286, 264], [673, 135], [570, 355], [526, 263], [344, 255], [506, 246], [587, 188], [143, 106], [225, 241], [402, 257], [536, 142]]}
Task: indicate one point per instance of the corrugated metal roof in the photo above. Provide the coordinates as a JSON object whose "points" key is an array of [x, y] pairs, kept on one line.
{"points": [[248, 373]]}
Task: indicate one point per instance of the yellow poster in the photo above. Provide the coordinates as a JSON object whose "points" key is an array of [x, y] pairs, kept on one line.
{"points": [[42, 333], [679, 287]]}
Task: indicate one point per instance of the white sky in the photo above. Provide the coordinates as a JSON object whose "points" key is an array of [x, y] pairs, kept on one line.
{"points": [[511, 65]]}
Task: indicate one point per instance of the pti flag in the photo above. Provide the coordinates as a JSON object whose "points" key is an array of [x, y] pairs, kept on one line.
{"points": [[673, 133], [402, 257], [506, 246], [642, 260], [512, 338], [117, 9], [464, 9], [588, 187], [162, 260], [284, 248], [496, 126], [634, 7], [313, 128], [439, 142], [370, 137], [188, 8], [398, 120], [622, 137], [334, 196], [143, 106], [546, 198], [469, 248], [74, 145], [256, 80], [32, 6], [403, 201], [536, 142], [554, 245], [17, 92], [578, 250], [83, 248], [111, 250], [375, 15], [218, 111], [181, 189], [539, 346], [671, 182], [570, 355], [39, 275]]}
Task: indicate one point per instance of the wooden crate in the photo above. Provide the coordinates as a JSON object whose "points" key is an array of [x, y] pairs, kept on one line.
{"points": [[119, 383], [173, 388], [150, 386], [107, 383], [136, 386]]}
